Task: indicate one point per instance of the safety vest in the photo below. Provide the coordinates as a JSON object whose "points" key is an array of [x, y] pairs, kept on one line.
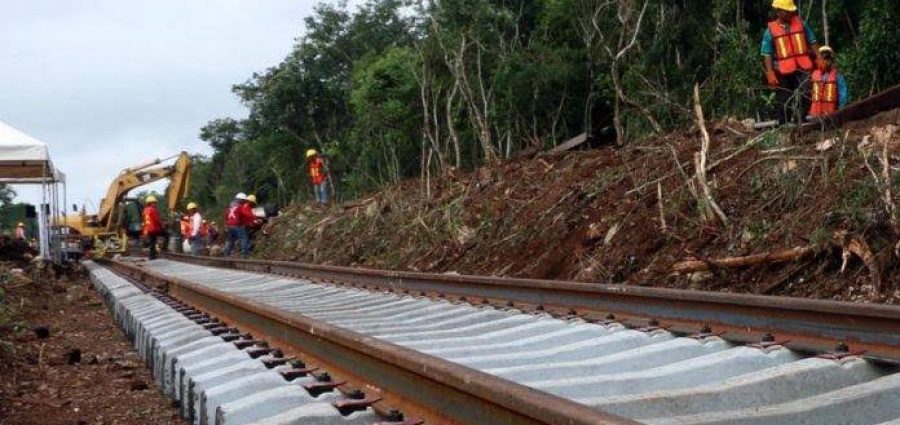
{"points": [[824, 93], [204, 229], [150, 223], [317, 170], [186, 226], [791, 46]]}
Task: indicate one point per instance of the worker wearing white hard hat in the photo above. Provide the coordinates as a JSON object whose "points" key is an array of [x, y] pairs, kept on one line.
{"points": [[238, 216]]}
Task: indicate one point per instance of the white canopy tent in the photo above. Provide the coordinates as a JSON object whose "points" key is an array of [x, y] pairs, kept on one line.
{"points": [[26, 160]]}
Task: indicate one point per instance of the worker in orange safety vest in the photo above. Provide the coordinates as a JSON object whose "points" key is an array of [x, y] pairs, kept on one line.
{"points": [[317, 176], [151, 225], [829, 88], [789, 49]]}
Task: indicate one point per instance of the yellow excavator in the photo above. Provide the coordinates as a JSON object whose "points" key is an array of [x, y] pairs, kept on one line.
{"points": [[108, 230]]}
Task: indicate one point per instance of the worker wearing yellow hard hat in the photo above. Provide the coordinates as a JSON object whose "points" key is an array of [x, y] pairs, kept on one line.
{"points": [[317, 175], [789, 49], [251, 199], [829, 87], [20, 231], [151, 225], [193, 230], [786, 5]]}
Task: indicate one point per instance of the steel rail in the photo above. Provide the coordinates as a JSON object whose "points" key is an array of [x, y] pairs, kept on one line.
{"points": [[801, 324], [859, 110], [442, 392]]}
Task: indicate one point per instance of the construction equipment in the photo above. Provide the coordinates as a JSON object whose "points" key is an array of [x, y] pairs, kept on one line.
{"points": [[108, 230]]}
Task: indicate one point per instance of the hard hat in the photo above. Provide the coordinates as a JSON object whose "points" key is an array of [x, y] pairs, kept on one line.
{"points": [[20, 224], [311, 153], [241, 196], [787, 5], [192, 205], [251, 198], [826, 49], [150, 199]]}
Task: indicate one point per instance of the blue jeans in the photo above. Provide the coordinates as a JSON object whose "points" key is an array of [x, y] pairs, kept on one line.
{"points": [[196, 246], [321, 193], [238, 233]]}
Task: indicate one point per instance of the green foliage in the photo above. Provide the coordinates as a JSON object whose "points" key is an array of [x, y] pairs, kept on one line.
{"points": [[397, 88], [872, 65]]}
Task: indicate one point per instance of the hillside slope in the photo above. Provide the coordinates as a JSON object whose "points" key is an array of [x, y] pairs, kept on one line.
{"points": [[630, 215]]}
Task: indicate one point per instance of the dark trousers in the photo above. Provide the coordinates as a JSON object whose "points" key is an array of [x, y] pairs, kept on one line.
{"points": [[153, 239], [792, 97]]}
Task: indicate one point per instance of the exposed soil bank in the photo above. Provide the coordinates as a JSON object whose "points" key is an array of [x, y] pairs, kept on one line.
{"points": [[630, 215]]}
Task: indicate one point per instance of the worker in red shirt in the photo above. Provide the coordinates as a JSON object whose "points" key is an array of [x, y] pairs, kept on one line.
{"points": [[317, 176], [151, 227], [238, 216]]}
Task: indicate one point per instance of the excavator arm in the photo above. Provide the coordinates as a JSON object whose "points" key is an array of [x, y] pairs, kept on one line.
{"points": [[179, 173], [179, 181]]}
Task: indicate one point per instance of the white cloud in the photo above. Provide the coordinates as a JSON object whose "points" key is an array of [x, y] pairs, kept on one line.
{"points": [[112, 83]]}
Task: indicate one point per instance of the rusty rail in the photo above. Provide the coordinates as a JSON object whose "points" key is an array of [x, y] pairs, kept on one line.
{"points": [[805, 324], [440, 391], [859, 110]]}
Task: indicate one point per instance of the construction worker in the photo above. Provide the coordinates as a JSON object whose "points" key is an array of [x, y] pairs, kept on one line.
{"points": [[317, 176], [238, 216], [213, 232], [829, 89], [788, 48], [195, 234], [251, 205], [20, 231], [151, 227]]}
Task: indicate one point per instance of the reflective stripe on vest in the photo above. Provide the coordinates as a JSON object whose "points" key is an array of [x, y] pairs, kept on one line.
{"points": [[824, 93], [791, 46]]}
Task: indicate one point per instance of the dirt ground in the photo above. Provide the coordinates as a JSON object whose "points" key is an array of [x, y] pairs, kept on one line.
{"points": [[630, 215], [43, 380]]}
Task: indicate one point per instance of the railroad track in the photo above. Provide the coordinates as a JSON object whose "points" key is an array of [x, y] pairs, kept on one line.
{"points": [[475, 350]]}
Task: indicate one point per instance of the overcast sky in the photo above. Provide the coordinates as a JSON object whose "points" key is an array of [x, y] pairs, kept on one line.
{"points": [[112, 83]]}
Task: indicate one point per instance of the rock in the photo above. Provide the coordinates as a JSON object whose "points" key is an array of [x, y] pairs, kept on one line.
{"points": [[700, 276], [138, 385], [42, 331], [73, 356]]}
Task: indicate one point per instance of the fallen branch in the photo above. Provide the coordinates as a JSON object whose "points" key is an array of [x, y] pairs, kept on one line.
{"points": [[662, 215], [750, 143], [709, 208], [785, 255], [856, 245], [849, 244], [778, 157]]}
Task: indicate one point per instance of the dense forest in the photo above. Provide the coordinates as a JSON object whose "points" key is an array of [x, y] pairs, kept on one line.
{"points": [[396, 89]]}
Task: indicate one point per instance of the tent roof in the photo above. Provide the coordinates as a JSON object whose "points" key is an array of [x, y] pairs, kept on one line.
{"points": [[24, 159]]}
